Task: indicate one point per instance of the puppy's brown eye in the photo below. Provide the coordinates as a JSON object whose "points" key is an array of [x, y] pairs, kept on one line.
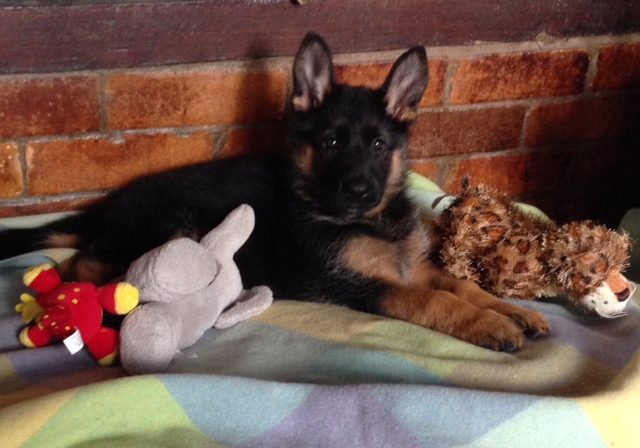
{"points": [[379, 143], [330, 142]]}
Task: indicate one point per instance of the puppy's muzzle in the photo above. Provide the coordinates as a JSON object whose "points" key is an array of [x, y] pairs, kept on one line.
{"points": [[359, 191]]}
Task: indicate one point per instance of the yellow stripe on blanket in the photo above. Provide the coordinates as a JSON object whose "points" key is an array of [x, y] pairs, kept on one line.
{"points": [[426, 348], [21, 421], [132, 411], [311, 319], [615, 410], [540, 367]]}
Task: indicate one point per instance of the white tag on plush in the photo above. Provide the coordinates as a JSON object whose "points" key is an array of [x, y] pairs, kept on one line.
{"points": [[74, 343]]}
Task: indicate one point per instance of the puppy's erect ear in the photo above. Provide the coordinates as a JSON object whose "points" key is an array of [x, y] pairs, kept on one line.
{"points": [[313, 75], [405, 84]]}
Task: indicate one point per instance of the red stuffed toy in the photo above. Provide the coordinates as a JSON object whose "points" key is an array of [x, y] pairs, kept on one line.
{"points": [[62, 308]]}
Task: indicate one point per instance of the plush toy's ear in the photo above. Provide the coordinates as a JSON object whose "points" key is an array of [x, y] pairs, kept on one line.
{"points": [[178, 267], [406, 83], [313, 74], [232, 233]]}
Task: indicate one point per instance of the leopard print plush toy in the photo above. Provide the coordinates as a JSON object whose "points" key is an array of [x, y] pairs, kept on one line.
{"points": [[489, 239]]}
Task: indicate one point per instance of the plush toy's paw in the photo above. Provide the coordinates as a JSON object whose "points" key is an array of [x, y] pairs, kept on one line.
{"points": [[104, 346], [42, 278], [126, 297], [109, 359], [24, 338], [29, 308], [29, 277], [35, 336]]}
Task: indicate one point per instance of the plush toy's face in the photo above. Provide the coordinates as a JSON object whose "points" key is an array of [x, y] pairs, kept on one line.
{"points": [[586, 261], [610, 299]]}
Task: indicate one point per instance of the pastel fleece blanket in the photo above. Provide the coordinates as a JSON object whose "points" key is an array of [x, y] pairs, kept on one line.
{"points": [[317, 375]]}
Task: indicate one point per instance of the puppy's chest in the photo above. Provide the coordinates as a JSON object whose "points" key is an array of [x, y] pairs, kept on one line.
{"points": [[390, 261]]}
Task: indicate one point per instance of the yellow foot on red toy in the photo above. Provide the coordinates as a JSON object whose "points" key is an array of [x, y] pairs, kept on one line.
{"points": [[24, 338], [126, 297], [109, 359]]}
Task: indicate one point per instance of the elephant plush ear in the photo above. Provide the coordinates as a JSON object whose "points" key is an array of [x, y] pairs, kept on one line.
{"points": [[230, 234], [179, 267]]}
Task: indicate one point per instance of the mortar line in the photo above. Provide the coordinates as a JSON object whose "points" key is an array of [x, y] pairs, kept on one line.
{"points": [[219, 140], [22, 157], [452, 66], [594, 55], [190, 129], [547, 149], [104, 119]]}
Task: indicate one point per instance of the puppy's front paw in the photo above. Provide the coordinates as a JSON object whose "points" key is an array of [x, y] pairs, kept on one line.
{"points": [[532, 322], [497, 332]]}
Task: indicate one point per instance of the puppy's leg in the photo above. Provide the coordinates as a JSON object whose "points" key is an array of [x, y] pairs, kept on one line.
{"points": [[85, 267], [533, 323], [443, 311]]}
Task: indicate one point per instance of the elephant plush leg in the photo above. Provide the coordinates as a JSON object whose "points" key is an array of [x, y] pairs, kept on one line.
{"points": [[251, 302], [148, 340]]}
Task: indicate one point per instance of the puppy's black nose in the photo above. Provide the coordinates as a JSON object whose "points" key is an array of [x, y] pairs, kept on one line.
{"points": [[357, 188], [623, 295]]}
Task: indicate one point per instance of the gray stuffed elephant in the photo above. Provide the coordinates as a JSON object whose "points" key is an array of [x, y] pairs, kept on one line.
{"points": [[185, 288]]}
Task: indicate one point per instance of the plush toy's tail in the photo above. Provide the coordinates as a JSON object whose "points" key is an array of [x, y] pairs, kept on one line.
{"points": [[67, 232]]}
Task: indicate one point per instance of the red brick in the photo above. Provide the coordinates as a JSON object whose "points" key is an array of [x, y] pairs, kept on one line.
{"points": [[90, 164], [50, 206], [51, 105], [522, 75], [373, 75], [427, 168], [155, 99], [618, 67], [254, 140], [10, 171], [466, 131], [514, 174], [583, 120]]}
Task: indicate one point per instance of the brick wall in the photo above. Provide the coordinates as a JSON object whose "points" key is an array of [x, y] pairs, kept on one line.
{"points": [[555, 123]]}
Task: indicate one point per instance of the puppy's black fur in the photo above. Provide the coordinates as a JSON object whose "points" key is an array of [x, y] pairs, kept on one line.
{"points": [[302, 218], [333, 220]]}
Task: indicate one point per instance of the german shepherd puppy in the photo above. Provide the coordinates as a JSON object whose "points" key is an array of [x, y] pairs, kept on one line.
{"points": [[333, 220]]}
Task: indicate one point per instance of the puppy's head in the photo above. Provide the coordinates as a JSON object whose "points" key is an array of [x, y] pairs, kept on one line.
{"points": [[350, 143]]}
